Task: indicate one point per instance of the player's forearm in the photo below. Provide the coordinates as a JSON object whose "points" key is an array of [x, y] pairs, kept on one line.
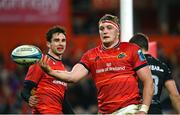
{"points": [[147, 96], [26, 91], [75, 75], [62, 75], [175, 99], [148, 92]]}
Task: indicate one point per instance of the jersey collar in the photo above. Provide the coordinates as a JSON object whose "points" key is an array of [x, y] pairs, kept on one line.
{"points": [[54, 58], [116, 46]]}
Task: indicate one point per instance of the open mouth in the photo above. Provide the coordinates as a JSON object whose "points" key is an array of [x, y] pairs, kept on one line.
{"points": [[106, 37], [60, 49]]}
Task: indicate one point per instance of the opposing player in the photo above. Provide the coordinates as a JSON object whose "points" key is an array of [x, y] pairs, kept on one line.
{"points": [[42, 92], [161, 77], [115, 69]]}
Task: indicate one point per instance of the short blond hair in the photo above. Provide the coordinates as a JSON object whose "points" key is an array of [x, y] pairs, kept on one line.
{"points": [[110, 17]]}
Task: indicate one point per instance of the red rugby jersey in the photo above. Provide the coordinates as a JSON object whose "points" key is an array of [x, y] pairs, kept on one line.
{"points": [[113, 71], [50, 91]]}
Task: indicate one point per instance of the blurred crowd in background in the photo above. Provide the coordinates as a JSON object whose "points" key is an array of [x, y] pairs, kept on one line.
{"points": [[82, 95]]}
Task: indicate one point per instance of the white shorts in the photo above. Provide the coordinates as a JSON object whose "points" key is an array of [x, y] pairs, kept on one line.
{"points": [[128, 110]]}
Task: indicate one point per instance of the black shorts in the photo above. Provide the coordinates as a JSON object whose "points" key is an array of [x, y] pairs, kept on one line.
{"points": [[155, 109]]}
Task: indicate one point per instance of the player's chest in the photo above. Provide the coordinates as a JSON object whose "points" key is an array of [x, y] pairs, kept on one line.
{"points": [[116, 59], [56, 65]]}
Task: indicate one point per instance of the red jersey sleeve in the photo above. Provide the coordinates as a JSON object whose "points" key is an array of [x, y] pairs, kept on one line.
{"points": [[34, 73], [139, 59], [85, 61]]}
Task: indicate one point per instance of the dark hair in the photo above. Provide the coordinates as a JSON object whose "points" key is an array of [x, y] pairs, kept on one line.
{"points": [[110, 17], [141, 40], [55, 29]]}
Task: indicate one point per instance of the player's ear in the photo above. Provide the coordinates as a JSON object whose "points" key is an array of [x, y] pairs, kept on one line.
{"points": [[48, 44], [117, 36]]}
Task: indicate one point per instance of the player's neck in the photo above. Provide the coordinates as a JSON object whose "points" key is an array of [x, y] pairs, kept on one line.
{"points": [[145, 52], [111, 45], [58, 57]]}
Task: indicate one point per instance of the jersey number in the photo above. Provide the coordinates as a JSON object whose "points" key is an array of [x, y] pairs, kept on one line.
{"points": [[156, 81]]}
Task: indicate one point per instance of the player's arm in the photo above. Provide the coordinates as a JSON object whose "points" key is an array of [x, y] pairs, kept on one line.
{"points": [[76, 74], [146, 78], [173, 94], [32, 78], [26, 93]]}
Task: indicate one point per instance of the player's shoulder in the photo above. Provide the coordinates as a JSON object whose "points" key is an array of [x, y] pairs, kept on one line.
{"points": [[149, 56], [35, 66], [152, 59], [127, 44], [155, 61], [163, 64]]}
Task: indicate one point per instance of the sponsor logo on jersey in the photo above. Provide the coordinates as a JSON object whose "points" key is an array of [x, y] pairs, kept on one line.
{"points": [[141, 55], [59, 82], [110, 69], [156, 68], [122, 55]]}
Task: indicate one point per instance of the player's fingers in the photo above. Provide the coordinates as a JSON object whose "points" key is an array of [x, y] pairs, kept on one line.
{"points": [[32, 104], [44, 64], [33, 100], [42, 57], [33, 91], [43, 60], [46, 59]]}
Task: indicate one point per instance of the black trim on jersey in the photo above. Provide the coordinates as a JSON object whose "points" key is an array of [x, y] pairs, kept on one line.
{"points": [[54, 58], [84, 66], [141, 66], [26, 92], [117, 45], [147, 55]]}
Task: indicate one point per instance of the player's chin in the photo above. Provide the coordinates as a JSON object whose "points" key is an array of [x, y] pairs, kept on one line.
{"points": [[106, 41], [59, 52]]}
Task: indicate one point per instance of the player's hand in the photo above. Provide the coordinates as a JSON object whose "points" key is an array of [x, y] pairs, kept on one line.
{"points": [[33, 100], [141, 113], [44, 64]]}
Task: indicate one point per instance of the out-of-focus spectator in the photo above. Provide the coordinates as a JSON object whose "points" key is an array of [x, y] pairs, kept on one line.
{"points": [[10, 85]]}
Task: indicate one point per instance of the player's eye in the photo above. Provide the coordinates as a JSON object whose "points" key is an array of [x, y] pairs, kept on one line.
{"points": [[109, 27], [101, 28], [56, 40], [63, 40]]}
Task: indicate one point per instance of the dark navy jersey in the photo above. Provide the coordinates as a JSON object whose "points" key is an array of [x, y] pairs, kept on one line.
{"points": [[160, 73]]}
